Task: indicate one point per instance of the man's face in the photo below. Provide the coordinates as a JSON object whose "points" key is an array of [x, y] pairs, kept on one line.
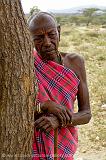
{"points": [[46, 37]]}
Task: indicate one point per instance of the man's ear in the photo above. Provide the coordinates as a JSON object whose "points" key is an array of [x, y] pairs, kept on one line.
{"points": [[59, 30]]}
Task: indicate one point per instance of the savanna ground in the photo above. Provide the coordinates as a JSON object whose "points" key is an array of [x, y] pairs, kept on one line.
{"points": [[90, 42]]}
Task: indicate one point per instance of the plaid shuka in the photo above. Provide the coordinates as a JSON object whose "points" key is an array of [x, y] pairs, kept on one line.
{"points": [[59, 84]]}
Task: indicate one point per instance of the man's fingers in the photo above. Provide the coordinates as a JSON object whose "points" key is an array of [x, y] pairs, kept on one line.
{"points": [[41, 124], [64, 118], [69, 113], [39, 121], [67, 116], [45, 127], [60, 117]]}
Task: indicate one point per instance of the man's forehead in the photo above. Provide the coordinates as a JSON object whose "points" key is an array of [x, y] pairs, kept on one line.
{"points": [[44, 30], [45, 16], [42, 21]]}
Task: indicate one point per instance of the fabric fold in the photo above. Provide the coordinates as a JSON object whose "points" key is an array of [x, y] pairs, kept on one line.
{"points": [[59, 84]]}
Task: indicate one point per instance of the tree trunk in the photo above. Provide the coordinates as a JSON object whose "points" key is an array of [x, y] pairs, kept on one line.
{"points": [[16, 83]]}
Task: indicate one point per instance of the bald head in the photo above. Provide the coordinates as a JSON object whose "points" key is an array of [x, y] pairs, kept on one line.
{"points": [[40, 20], [45, 34]]}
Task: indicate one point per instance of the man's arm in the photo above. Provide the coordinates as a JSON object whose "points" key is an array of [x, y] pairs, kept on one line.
{"points": [[83, 116]]}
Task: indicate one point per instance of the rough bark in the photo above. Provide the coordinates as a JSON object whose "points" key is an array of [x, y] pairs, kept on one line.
{"points": [[16, 83]]}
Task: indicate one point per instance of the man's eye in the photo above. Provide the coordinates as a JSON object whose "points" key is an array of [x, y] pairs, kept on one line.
{"points": [[52, 35], [41, 36], [38, 38]]}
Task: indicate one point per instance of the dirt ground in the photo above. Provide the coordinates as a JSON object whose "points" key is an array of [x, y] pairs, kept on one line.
{"points": [[91, 155]]}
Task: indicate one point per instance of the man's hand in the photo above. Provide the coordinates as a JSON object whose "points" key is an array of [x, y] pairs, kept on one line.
{"points": [[46, 123], [61, 112]]}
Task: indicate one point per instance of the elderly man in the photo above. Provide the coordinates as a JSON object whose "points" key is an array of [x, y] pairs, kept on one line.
{"points": [[61, 78]]}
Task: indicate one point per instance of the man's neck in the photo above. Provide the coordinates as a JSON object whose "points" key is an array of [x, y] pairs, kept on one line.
{"points": [[58, 59]]}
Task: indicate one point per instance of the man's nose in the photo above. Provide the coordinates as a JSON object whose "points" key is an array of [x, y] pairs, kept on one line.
{"points": [[47, 41]]}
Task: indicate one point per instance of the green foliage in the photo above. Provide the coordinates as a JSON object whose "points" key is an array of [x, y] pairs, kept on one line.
{"points": [[62, 19], [88, 12], [59, 19], [33, 10], [86, 18]]}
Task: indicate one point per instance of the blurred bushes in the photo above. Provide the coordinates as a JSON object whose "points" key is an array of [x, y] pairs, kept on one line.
{"points": [[82, 19]]}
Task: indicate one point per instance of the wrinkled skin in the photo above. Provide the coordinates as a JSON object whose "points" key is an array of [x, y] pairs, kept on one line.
{"points": [[62, 112], [46, 40], [46, 123], [46, 37]]}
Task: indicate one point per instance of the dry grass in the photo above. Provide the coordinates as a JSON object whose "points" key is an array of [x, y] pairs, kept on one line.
{"points": [[91, 43]]}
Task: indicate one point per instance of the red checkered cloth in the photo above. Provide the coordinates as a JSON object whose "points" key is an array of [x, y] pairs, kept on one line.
{"points": [[59, 84]]}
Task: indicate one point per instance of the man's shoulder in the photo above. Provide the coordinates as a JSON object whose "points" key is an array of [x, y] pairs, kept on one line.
{"points": [[73, 58], [75, 62]]}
